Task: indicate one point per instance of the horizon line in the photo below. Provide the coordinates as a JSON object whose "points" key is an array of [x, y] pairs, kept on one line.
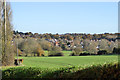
{"points": [[65, 32]]}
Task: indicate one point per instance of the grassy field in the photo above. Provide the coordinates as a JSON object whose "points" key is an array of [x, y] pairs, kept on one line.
{"points": [[97, 67], [57, 62]]}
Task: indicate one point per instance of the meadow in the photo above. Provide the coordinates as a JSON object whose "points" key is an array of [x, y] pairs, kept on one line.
{"points": [[57, 62], [66, 60]]}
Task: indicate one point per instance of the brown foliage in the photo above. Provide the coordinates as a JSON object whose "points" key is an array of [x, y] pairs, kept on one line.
{"points": [[40, 52]]}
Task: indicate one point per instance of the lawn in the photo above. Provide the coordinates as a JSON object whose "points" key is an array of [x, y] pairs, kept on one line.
{"points": [[57, 62]]}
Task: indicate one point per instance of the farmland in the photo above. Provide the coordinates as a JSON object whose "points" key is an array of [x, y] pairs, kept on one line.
{"points": [[56, 62], [66, 60]]}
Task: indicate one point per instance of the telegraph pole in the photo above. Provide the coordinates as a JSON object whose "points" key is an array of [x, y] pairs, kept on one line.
{"points": [[4, 5], [5, 15]]}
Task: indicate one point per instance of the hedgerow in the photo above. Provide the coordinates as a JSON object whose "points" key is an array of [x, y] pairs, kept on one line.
{"points": [[109, 71]]}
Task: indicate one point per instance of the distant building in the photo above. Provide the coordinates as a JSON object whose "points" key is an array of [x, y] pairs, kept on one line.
{"points": [[56, 43]]}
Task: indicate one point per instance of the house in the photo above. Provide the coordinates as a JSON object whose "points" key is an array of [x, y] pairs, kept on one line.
{"points": [[56, 43]]}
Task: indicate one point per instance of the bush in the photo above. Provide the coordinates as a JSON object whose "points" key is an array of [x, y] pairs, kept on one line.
{"points": [[55, 53], [99, 72], [101, 52], [81, 54], [56, 48], [84, 54], [116, 50], [73, 54]]}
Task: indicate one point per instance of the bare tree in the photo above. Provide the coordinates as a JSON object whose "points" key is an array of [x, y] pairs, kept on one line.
{"points": [[92, 47], [103, 44], [77, 51], [116, 44], [30, 46], [76, 42], [86, 43], [45, 44], [111, 46]]}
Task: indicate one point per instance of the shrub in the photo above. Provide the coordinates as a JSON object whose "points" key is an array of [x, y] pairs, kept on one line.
{"points": [[56, 48], [116, 50], [101, 52], [55, 53], [99, 72], [84, 54], [73, 54]]}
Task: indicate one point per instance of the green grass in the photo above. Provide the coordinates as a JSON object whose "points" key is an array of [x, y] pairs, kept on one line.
{"points": [[57, 62], [66, 53], [65, 67]]}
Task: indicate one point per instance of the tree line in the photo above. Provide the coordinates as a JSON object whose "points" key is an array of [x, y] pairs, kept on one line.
{"points": [[69, 36], [69, 42]]}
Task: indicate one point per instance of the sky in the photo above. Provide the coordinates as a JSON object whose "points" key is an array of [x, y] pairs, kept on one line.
{"points": [[65, 17]]}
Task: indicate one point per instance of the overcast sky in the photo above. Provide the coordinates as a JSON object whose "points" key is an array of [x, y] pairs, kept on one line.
{"points": [[65, 17]]}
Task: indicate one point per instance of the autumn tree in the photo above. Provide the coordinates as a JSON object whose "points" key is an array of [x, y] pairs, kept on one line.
{"points": [[92, 47], [86, 43], [64, 47], [77, 51], [40, 51], [31, 46], [111, 46], [45, 44], [27, 46], [116, 44], [76, 42], [56, 48], [103, 44], [55, 51], [0, 30], [7, 51]]}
